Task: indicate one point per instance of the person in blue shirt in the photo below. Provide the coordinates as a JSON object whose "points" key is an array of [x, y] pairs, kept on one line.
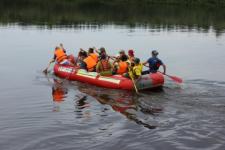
{"points": [[154, 63]]}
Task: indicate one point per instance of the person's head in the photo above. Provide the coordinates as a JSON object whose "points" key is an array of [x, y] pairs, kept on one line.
{"points": [[103, 57], [117, 56], [136, 61], [124, 58], [131, 53], [90, 50], [122, 52], [57, 48], [154, 53], [102, 50], [61, 45], [82, 54]]}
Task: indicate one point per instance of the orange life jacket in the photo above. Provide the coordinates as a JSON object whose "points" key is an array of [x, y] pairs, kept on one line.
{"points": [[122, 67], [60, 55], [94, 56], [58, 95], [91, 63]]}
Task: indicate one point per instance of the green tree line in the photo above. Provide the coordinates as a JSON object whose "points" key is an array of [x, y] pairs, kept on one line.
{"points": [[161, 13]]}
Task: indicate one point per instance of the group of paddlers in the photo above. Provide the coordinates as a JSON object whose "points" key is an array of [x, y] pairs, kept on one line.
{"points": [[97, 60]]}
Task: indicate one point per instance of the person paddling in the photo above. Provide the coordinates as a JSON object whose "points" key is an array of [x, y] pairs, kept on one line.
{"points": [[135, 70], [154, 63], [62, 47], [60, 56]]}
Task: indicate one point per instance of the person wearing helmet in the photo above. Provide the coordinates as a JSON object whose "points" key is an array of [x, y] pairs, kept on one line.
{"points": [[135, 71], [154, 63], [131, 55]]}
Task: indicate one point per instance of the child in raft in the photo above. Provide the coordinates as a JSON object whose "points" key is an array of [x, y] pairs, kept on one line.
{"points": [[136, 70]]}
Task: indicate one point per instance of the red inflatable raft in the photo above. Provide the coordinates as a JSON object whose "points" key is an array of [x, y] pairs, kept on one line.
{"points": [[115, 82]]}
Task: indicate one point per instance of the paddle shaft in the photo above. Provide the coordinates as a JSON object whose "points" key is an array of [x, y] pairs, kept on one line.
{"points": [[130, 74], [46, 70], [174, 78]]}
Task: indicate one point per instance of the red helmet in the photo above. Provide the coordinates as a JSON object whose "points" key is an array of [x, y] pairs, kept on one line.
{"points": [[131, 52]]}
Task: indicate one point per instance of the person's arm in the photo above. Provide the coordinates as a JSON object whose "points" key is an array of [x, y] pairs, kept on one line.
{"points": [[111, 66], [144, 63], [98, 67], [53, 59], [164, 69], [96, 50]]}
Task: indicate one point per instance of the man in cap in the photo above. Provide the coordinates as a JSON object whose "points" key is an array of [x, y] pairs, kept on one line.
{"points": [[154, 63]]}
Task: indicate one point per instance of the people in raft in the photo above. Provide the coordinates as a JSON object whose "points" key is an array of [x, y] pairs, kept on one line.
{"points": [[98, 60]]}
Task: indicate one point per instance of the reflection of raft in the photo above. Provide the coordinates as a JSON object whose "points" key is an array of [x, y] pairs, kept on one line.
{"points": [[115, 82]]}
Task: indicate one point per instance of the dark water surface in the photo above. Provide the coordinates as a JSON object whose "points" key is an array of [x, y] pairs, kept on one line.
{"points": [[188, 116]]}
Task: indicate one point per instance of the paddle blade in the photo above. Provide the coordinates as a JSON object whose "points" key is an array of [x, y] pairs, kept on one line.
{"points": [[45, 71], [176, 79]]}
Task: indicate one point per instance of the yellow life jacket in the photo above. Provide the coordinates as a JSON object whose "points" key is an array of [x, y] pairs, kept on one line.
{"points": [[137, 69]]}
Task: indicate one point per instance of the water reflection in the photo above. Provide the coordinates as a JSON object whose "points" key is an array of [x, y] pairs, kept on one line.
{"points": [[95, 15], [59, 92], [123, 102]]}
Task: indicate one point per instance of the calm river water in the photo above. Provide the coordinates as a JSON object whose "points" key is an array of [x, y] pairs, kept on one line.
{"points": [[187, 116]]}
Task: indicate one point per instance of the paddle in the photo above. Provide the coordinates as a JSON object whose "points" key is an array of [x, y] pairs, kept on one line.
{"points": [[130, 74], [174, 78], [46, 70]]}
